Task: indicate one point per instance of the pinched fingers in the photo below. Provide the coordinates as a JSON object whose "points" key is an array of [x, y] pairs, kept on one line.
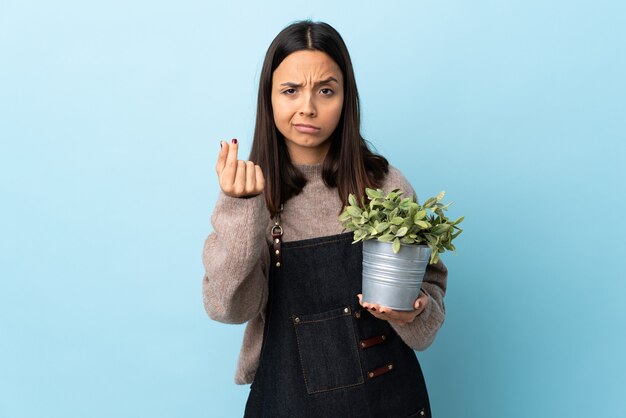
{"points": [[238, 178]]}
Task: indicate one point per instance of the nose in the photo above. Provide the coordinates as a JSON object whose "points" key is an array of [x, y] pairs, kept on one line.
{"points": [[307, 108]]}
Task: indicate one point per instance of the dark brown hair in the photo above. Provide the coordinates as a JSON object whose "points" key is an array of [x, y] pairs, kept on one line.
{"points": [[349, 165]]}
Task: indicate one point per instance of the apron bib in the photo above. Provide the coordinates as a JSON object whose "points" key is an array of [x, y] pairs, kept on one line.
{"points": [[322, 354]]}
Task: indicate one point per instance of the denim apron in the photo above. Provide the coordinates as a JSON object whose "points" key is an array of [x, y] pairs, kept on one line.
{"points": [[324, 356]]}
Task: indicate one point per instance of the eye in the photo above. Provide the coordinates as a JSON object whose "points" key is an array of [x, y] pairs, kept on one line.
{"points": [[326, 92], [289, 91]]}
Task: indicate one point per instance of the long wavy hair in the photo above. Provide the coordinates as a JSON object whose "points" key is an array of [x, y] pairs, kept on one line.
{"points": [[350, 165]]}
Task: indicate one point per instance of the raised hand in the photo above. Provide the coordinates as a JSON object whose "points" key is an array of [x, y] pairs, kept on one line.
{"points": [[238, 178]]}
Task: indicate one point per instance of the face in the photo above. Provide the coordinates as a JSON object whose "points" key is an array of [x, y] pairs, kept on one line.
{"points": [[307, 98]]}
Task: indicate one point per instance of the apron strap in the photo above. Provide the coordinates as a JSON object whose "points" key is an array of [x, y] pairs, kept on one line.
{"points": [[277, 239]]}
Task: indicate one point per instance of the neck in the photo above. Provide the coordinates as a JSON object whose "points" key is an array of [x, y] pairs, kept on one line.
{"points": [[307, 156]]}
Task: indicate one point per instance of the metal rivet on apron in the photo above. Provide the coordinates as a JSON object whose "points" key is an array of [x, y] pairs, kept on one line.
{"points": [[370, 374], [277, 264], [383, 337], [276, 240], [390, 366], [296, 319], [363, 345], [422, 413], [346, 310], [357, 314], [277, 252]]}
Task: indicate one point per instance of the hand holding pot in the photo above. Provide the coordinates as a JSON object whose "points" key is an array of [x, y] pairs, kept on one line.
{"points": [[396, 317]]}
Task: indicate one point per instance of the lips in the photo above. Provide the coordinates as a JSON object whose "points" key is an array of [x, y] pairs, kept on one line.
{"points": [[308, 129]]}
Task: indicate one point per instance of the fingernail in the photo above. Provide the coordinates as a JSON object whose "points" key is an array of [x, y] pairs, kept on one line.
{"points": [[234, 141], [220, 144]]}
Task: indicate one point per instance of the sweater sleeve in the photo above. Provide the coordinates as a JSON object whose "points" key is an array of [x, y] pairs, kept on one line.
{"points": [[236, 260], [420, 333]]}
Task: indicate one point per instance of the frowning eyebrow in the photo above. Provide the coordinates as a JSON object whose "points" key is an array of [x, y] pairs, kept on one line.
{"points": [[327, 81]]}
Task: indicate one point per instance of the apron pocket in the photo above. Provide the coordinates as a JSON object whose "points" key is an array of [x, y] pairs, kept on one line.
{"points": [[328, 350]]}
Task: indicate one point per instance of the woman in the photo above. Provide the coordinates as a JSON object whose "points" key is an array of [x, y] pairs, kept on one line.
{"points": [[278, 259]]}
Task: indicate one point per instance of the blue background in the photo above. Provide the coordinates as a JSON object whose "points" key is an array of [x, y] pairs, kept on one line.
{"points": [[110, 117]]}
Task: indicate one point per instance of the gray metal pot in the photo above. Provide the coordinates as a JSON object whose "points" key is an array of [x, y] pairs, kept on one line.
{"points": [[390, 279]]}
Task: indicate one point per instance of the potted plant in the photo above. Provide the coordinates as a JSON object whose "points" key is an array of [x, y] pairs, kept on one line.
{"points": [[400, 237]]}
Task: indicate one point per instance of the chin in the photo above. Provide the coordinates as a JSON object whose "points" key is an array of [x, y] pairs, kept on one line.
{"points": [[311, 144]]}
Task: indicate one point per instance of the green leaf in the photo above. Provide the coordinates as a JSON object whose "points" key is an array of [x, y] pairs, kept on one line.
{"points": [[396, 245], [420, 215], [382, 226], [393, 195], [354, 211], [401, 220], [439, 229], [402, 231], [423, 224], [344, 216], [374, 193], [444, 207], [386, 238]]}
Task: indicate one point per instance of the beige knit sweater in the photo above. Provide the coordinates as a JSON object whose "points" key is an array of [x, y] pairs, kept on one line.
{"points": [[236, 260]]}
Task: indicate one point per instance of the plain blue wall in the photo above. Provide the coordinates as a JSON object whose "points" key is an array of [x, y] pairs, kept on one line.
{"points": [[110, 117]]}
